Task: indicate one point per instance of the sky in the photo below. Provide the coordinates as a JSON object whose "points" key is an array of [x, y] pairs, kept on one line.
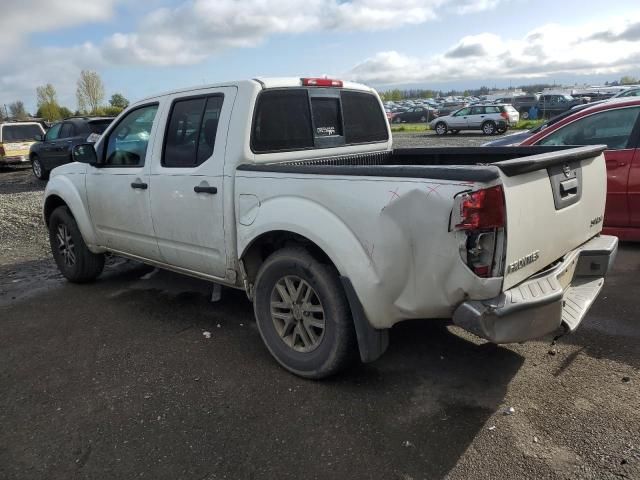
{"points": [[141, 48]]}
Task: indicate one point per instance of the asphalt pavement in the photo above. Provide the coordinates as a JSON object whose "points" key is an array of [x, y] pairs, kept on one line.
{"points": [[117, 379]]}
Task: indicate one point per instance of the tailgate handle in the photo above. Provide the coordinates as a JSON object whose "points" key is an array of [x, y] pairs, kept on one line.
{"points": [[569, 187]]}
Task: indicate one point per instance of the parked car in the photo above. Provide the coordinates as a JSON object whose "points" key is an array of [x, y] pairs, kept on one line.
{"points": [[15, 140], [54, 148], [415, 114], [243, 184], [614, 123], [489, 118], [551, 104], [516, 138], [631, 92]]}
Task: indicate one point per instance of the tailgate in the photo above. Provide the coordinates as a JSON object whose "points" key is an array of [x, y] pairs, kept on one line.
{"points": [[554, 203]]}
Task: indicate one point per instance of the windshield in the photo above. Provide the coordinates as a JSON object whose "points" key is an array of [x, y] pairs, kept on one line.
{"points": [[568, 98], [17, 133]]}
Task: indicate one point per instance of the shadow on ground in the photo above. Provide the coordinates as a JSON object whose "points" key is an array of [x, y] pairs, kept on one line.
{"points": [[115, 379]]}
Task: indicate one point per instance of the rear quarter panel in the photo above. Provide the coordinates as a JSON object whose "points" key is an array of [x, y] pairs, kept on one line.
{"points": [[389, 236]]}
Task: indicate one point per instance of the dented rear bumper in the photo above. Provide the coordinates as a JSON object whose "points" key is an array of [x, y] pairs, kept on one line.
{"points": [[558, 297]]}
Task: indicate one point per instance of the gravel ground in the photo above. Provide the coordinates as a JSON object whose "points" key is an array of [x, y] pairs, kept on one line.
{"points": [[116, 380], [22, 234]]}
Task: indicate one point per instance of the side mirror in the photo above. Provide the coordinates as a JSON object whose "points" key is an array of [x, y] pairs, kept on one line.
{"points": [[39, 138], [85, 153]]}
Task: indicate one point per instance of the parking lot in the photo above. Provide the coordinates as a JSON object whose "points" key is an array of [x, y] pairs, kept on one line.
{"points": [[116, 380]]}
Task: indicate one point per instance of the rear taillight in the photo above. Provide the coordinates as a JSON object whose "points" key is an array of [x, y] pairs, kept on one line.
{"points": [[481, 215], [482, 209], [505, 115], [321, 82], [2, 152]]}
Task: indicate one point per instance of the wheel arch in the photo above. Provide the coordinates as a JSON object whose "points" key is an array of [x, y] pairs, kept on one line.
{"points": [[62, 192], [372, 343]]}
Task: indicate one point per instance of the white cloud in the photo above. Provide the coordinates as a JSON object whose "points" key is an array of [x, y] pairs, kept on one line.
{"points": [[546, 51]]}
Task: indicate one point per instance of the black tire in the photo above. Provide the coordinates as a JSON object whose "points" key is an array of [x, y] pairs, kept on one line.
{"points": [[38, 169], [441, 128], [489, 128], [337, 347], [86, 266]]}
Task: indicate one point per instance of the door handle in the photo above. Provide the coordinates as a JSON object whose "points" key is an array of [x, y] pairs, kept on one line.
{"points": [[211, 190], [140, 185], [616, 163]]}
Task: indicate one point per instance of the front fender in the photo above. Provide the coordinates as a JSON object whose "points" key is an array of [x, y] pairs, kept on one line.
{"points": [[68, 191]]}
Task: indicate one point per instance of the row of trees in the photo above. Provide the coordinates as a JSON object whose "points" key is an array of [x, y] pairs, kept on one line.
{"points": [[90, 94], [397, 94]]}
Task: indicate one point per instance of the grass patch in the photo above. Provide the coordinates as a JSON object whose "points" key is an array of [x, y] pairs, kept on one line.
{"points": [[409, 127], [423, 127], [527, 124]]}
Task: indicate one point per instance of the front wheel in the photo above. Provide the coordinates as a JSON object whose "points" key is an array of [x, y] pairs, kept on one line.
{"points": [[39, 171], [303, 315], [75, 261]]}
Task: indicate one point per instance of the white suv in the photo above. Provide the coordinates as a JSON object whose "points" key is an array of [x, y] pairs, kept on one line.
{"points": [[491, 119]]}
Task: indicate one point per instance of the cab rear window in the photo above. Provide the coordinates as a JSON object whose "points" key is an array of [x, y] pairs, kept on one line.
{"points": [[301, 119]]}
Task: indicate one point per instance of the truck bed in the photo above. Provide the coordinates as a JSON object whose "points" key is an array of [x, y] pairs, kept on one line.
{"points": [[469, 164]]}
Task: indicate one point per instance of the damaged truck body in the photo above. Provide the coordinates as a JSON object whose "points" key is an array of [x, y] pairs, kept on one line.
{"points": [[290, 189]]}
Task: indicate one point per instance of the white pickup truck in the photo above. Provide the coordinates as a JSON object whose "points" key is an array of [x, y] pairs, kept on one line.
{"points": [[290, 190]]}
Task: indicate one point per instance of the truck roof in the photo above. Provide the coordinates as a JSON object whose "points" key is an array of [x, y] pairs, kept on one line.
{"points": [[264, 82]]}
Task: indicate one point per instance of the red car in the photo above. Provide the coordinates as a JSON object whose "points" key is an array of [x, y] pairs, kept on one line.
{"points": [[615, 123]]}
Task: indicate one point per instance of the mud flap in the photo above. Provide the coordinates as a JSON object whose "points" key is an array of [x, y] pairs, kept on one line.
{"points": [[372, 342]]}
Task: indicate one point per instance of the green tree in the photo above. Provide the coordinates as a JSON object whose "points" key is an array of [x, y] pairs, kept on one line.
{"points": [[112, 111], [118, 100], [89, 92], [628, 80], [65, 112], [18, 111], [48, 107]]}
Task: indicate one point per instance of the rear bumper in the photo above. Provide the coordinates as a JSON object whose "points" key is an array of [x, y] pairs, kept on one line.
{"points": [[14, 159], [540, 305]]}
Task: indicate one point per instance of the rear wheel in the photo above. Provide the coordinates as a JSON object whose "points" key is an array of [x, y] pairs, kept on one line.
{"points": [[423, 119], [489, 128], [524, 115], [39, 171], [75, 261], [303, 315], [397, 120], [441, 128]]}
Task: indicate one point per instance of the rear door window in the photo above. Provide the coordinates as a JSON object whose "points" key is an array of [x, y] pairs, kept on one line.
{"points": [[66, 131], [191, 131]]}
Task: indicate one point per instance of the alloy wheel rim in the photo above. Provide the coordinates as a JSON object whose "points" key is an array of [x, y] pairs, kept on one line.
{"points": [[297, 314], [65, 245], [440, 129], [36, 168]]}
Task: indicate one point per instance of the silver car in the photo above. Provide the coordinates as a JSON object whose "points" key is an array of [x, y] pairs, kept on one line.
{"points": [[489, 118]]}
